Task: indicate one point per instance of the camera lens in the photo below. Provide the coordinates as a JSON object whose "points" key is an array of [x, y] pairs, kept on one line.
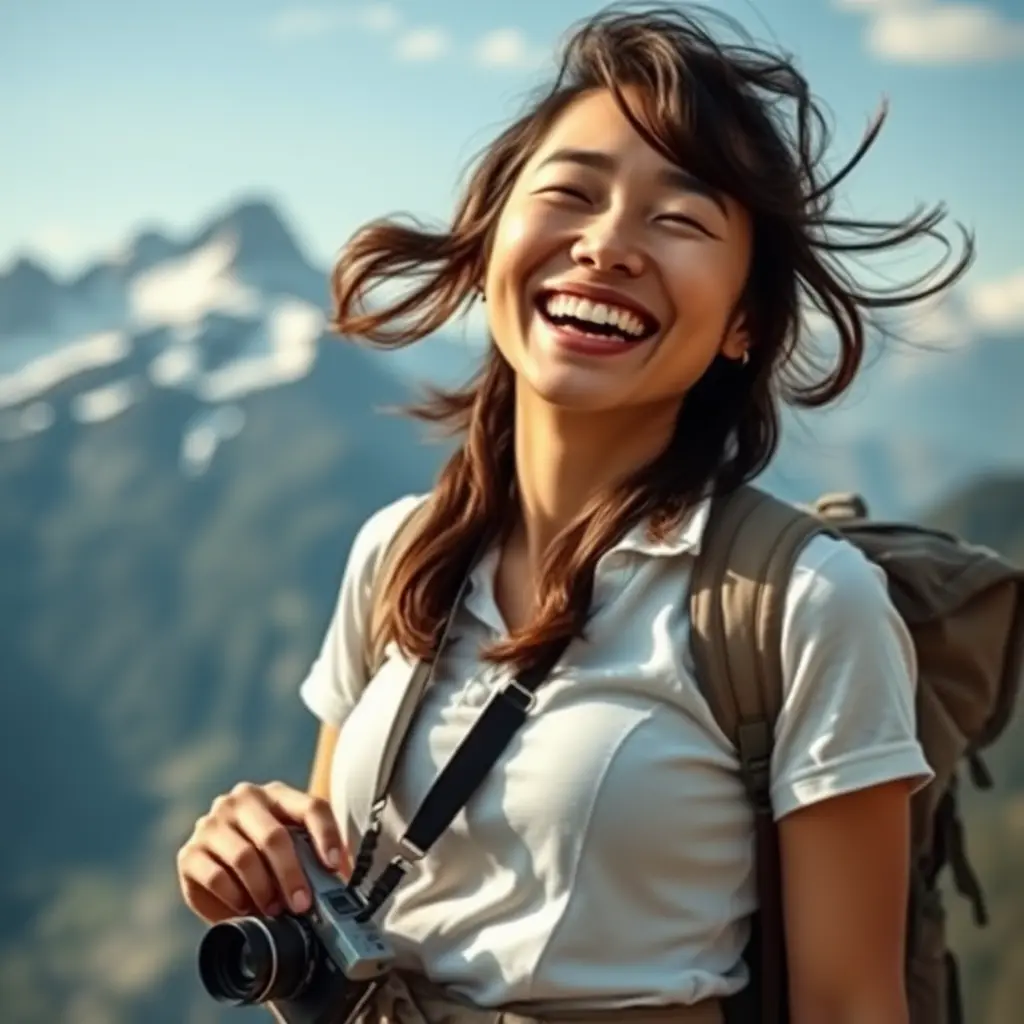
{"points": [[252, 960]]}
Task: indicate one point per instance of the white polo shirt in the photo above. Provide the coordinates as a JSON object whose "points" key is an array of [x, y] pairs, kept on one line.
{"points": [[608, 858]]}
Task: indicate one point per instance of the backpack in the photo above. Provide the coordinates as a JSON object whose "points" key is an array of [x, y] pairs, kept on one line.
{"points": [[964, 608]]}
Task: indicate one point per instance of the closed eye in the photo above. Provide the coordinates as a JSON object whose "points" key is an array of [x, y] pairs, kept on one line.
{"points": [[679, 218], [565, 190]]}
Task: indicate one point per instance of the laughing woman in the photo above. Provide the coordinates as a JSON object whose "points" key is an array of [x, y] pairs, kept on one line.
{"points": [[646, 239]]}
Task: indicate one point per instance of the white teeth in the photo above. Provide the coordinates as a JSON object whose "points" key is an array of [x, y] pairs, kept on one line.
{"points": [[559, 304]]}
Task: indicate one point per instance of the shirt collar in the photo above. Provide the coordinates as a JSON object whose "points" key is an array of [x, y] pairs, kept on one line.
{"points": [[685, 538]]}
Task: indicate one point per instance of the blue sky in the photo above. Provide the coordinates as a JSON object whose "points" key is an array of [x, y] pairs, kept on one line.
{"points": [[120, 114]]}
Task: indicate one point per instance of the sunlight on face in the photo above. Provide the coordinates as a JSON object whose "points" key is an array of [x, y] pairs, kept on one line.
{"points": [[613, 274]]}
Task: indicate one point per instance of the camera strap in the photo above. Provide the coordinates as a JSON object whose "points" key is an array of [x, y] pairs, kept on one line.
{"points": [[480, 749]]}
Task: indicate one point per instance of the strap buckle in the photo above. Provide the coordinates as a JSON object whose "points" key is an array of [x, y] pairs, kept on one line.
{"points": [[408, 851], [519, 695]]}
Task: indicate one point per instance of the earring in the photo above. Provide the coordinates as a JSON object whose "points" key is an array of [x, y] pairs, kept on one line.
{"points": [[745, 358]]}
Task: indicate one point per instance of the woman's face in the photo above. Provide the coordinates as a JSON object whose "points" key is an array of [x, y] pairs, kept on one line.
{"points": [[613, 276]]}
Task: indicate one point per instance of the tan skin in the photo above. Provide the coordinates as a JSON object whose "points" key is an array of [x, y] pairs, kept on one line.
{"points": [[617, 218]]}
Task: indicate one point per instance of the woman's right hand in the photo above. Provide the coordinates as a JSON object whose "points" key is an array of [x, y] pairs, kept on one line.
{"points": [[241, 859]]}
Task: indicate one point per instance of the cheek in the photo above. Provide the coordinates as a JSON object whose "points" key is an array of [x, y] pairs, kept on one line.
{"points": [[514, 254], [702, 282], [511, 240], [705, 291], [513, 229], [704, 286]]}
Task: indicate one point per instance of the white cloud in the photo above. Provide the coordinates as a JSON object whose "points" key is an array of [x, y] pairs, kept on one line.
{"points": [[500, 49], [954, 317], [379, 17], [939, 322], [422, 44], [506, 48], [310, 21], [999, 304], [946, 35], [925, 32], [302, 23]]}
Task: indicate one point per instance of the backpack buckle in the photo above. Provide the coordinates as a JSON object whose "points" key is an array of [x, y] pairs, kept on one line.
{"points": [[754, 746], [841, 505]]}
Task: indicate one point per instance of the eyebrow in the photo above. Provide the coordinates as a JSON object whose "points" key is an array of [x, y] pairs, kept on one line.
{"points": [[672, 177]]}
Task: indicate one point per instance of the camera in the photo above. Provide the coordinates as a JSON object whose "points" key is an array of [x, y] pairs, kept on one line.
{"points": [[316, 968]]}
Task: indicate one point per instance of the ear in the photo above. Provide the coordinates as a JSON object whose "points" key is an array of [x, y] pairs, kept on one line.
{"points": [[736, 343]]}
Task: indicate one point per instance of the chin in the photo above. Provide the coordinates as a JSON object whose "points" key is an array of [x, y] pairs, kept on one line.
{"points": [[575, 391]]}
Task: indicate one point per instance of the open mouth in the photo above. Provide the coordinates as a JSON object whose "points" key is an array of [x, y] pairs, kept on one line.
{"points": [[589, 318]]}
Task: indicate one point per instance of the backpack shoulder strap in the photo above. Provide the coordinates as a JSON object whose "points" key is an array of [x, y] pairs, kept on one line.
{"points": [[737, 599], [376, 638]]}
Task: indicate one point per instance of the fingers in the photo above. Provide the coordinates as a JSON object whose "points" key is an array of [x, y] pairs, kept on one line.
{"points": [[316, 817], [242, 858], [264, 832], [235, 851], [210, 889]]}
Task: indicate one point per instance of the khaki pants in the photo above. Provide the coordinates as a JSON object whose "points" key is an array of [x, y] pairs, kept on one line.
{"points": [[411, 999]]}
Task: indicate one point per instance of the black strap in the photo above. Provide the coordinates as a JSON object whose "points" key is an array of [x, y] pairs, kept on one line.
{"points": [[475, 756], [469, 765]]}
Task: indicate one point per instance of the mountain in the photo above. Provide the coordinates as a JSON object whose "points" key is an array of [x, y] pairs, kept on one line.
{"points": [[181, 485], [990, 511], [184, 459], [929, 413], [28, 294], [237, 305], [156, 625]]}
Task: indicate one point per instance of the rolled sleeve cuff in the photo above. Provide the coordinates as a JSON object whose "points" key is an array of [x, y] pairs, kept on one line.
{"points": [[323, 699], [850, 774]]}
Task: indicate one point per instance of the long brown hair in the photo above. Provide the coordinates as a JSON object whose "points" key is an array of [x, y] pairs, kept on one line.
{"points": [[742, 119]]}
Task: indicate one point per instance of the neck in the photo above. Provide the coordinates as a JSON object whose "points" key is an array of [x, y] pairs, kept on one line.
{"points": [[565, 458]]}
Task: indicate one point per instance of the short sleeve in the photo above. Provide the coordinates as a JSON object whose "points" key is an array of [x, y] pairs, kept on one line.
{"points": [[338, 676], [850, 675]]}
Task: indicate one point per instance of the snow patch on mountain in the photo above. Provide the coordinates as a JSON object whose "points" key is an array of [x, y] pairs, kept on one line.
{"points": [[180, 365], [225, 314], [108, 401], [205, 434], [182, 291], [16, 424], [47, 369], [282, 349]]}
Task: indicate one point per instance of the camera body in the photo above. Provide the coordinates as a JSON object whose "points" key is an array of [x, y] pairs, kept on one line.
{"points": [[315, 968]]}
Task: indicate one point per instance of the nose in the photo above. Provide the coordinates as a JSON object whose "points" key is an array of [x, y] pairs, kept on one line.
{"points": [[604, 246]]}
